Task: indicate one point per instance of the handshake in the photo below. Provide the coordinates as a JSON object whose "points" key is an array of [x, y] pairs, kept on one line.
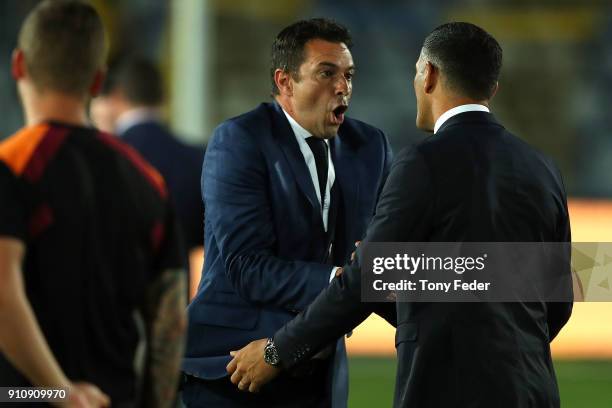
{"points": [[248, 369]]}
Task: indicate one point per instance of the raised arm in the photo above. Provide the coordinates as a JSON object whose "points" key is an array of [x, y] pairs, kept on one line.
{"points": [[402, 214]]}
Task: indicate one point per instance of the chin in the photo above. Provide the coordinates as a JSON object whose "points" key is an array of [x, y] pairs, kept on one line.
{"points": [[331, 132]]}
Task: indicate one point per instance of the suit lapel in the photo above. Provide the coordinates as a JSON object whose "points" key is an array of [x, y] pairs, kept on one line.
{"points": [[292, 152], [345, 162]]}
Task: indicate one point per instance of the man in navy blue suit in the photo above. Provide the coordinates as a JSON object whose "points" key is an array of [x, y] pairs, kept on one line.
{"points": [[130, 106], [288, 188]]}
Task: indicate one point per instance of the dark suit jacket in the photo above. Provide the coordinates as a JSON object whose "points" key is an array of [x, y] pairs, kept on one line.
{"points": [[181, 166], [266, 248], [472, 181]]}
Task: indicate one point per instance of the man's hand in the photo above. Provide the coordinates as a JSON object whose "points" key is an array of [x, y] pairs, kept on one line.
{"points": [[248, 369], [85, 395]]}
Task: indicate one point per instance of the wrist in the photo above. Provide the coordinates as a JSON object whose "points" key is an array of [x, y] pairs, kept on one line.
{"points": [[271, 355]]}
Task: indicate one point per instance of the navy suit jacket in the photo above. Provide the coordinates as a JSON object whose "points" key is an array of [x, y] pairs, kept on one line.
{"points": [[181, 166], [265, 242]]}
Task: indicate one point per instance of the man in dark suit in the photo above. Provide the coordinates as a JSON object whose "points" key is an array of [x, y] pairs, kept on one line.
{"points": [[288, 188], [130, 106], [471, 181]]}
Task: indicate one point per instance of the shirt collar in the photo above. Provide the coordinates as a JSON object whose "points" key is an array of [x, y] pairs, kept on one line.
{"points": [[135, 116], [471, 107]]}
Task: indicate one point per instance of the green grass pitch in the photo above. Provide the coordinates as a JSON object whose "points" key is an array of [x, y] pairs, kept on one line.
{"points": [[583, 384]]}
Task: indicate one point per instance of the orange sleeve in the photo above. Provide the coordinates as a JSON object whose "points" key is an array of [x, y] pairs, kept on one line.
{"points": [[17, 150]]}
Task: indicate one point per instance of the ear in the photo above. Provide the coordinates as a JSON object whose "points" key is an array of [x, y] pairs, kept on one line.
{"points": [[98, 81], [283, 82], [18, 65], [431, 77]]}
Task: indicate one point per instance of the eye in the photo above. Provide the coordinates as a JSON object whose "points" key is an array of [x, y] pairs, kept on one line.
{"points": [[327, 74], [349, 76]]}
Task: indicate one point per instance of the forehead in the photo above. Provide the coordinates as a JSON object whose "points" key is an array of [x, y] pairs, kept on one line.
{"points": [[317, 51]]}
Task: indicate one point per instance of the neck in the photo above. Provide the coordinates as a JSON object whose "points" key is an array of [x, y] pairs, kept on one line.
{"points": [[54, 106], [439, 106], [285, 104]]}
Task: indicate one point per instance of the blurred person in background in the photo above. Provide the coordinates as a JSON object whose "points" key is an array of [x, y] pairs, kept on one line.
{"points": [[130, 106], [89, 262], [288, 188], [472, 181]]}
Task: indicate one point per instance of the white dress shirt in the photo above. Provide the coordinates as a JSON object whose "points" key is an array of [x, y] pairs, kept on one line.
{"points": [[471, 107], [301, 135]]}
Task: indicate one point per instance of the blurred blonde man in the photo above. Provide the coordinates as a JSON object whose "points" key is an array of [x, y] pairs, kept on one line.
{"points": [[87, 237]]}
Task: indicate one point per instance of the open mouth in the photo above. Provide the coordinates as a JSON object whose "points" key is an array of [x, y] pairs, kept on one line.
{"points": [[338, 113]]}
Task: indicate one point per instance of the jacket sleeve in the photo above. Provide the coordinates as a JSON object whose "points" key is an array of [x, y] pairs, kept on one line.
{"points": [[235, 190], [402, 214]]}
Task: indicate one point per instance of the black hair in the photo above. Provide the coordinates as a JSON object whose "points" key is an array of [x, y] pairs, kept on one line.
{"points": [[468, 56], [288, 47], [138, 78]]}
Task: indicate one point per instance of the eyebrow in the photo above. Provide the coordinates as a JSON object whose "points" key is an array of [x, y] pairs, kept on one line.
{"points": [[332, 65]]}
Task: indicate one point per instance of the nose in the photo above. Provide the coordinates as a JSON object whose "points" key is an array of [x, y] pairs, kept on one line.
{"points": [[343, 86]]}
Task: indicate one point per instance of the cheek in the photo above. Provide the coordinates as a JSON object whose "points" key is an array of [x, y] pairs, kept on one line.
{"points": [[318, 100], [303, 100], [314, 99]]}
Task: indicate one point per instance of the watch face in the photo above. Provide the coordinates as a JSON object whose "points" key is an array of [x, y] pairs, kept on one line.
{"points": [[271, 354]]}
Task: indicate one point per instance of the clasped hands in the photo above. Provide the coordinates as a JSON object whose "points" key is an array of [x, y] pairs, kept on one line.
{"points": [[248, 370]]}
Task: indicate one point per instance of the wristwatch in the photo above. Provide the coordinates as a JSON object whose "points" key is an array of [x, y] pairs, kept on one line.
{"points": [[271, 353]]}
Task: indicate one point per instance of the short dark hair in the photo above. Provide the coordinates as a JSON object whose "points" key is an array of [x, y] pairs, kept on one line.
{"points": [[138, 78], [469, 57], [288, 47], [63, 45]]}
